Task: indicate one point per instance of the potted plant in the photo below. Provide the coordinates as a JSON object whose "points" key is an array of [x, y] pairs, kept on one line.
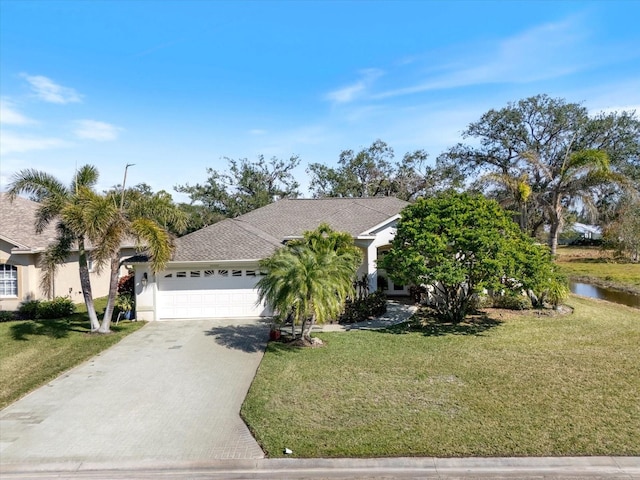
{"points": [[124, 302]]}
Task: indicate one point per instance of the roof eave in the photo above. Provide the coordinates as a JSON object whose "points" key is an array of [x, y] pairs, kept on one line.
{"points": [[379, 225]]}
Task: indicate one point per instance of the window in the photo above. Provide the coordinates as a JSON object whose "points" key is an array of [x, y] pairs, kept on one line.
{"points": [[223, 273], [8, 280], [209, 273], [194, 274], [250, 273], [236, 273], [169, 275], [181, 274]]}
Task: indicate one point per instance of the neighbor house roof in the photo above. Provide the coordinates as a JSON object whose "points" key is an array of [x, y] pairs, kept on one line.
{"points": [[17, 224], [257, 234]]}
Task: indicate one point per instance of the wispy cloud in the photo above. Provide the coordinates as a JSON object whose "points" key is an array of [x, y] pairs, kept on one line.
{"points": [[257, 131], [546, 51], [10, 116], [47, 90], [357, 89], [94, 130], [14, 143]]}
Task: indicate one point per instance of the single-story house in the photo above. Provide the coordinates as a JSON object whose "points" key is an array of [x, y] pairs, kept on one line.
{"points": [[588, 232], [214, 270], [21, 249]]}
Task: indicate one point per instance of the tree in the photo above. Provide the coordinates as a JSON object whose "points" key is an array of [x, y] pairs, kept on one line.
{"points": [[562, 155], [143, 216], [459, 244], [371, 172], [245, 187], [100, 222], [61, 204], [310, 279], [623, 233]]}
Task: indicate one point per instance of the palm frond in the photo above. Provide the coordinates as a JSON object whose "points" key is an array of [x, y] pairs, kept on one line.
{"points": [[155, 239]]}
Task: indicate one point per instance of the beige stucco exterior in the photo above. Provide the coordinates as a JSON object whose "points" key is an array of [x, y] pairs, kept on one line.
{"points": [[66, 282]]}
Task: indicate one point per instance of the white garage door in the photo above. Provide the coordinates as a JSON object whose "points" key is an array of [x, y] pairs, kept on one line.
{"points": [[208, 293]]}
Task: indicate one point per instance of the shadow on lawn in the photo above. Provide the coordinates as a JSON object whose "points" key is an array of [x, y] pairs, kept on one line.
{"points": [[53, 328], [248, 338], [432, 327]]}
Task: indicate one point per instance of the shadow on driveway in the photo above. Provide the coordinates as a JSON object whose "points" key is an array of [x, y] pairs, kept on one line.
{"points": [[249, 338]]}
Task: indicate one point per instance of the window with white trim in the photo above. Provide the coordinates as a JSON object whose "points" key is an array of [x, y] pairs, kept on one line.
{"points": [[8, 280]]}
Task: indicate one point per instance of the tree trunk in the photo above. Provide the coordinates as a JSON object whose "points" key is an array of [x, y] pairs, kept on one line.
{"points": [[555, 216], [113, 291], [85, 284], [307, 325]]}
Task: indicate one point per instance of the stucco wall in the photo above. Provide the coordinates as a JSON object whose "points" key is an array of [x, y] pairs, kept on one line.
{"points": [[66, 282]]}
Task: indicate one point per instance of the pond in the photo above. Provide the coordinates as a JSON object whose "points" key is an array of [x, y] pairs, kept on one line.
{"points": [[594, 291]]}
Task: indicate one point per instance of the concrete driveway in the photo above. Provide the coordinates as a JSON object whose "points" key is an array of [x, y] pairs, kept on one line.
{"points": [[171, 391]]}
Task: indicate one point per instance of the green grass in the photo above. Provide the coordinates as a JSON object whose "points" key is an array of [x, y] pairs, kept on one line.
{"points": [[34, 352], [593, 265], [515, 385]]}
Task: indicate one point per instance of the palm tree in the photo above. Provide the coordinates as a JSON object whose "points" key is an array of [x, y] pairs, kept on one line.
{"points": [[118, 216], [60, 203], [575, 178], [311, 278]]}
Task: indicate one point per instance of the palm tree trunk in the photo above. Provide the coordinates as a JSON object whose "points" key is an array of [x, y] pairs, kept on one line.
{"points": [[113, 291], [85, 284], [307, 325]]}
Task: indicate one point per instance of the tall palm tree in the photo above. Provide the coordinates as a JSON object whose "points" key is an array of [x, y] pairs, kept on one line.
{"points": [[118, 216], [60, 203], [311, 278]]}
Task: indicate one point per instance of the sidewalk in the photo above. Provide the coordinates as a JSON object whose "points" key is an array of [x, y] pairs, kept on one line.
{"points": [[397, 312]]}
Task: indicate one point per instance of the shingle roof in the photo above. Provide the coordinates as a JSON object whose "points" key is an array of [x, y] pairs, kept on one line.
{"points": [[258, 233], [17, 224], [225, 240]]}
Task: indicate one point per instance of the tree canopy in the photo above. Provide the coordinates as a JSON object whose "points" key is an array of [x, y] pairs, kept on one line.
{"points": [[543, 155], [244, 187], [371, 172], [460, 244]]}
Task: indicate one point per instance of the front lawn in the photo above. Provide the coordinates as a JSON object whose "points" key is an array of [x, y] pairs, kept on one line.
{"points": [[34, 352], [518, 384], [597, 266]]}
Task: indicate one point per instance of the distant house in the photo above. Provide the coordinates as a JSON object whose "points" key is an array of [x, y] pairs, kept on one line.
{"points": [[21, 249], [588, 232], [214, 270]]}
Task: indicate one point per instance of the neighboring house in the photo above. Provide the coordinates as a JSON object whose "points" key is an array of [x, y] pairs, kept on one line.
{"points": [[20, 251], [588, 232], [214, 270]]}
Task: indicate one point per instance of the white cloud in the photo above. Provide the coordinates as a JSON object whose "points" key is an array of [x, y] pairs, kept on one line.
{"points": [[94, 130], [49, 91], [12, 143], [351, 92], [544, 52], [10, 116]]}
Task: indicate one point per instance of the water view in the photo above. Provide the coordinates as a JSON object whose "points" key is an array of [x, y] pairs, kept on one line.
{"points": [[594, 291]]}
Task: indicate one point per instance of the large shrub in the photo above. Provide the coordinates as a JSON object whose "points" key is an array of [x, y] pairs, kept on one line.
{"points": [[363, 308], [59, 307], [459, 245]]}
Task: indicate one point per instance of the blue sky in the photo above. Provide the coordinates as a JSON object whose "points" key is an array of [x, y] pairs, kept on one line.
{"points": [[175, 86]]}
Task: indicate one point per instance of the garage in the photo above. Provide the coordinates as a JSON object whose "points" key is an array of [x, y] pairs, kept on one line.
{"points": [[208, 293]]}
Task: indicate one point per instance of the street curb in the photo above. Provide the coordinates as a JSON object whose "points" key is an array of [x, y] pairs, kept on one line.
{"points": [[620, 467]]}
